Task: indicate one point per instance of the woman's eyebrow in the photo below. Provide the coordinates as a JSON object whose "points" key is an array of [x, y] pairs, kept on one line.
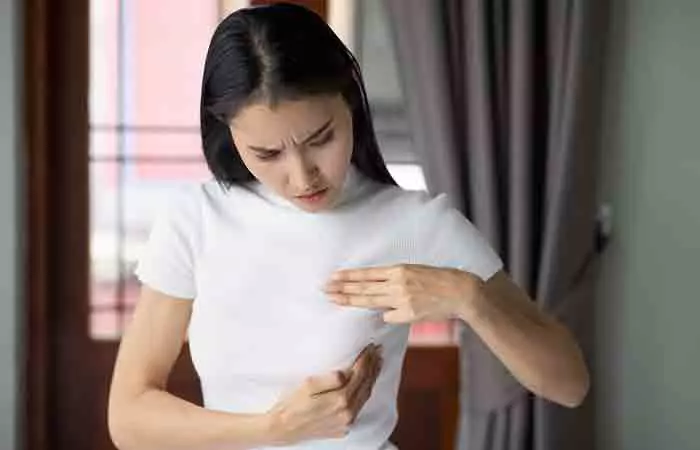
{"points": [[318, 132], [265, 149], [310, 137]]}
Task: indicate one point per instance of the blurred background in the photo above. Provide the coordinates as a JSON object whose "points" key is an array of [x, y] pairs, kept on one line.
{"points": [[564, 129]]}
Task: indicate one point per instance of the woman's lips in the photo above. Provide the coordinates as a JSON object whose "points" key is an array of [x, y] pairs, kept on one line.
{"points": [[315, 197]]}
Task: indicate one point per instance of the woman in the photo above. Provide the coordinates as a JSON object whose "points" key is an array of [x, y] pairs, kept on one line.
{"points": [[296, 271]]}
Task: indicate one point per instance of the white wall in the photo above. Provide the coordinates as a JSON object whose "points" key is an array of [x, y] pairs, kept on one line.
{"points": [[9, 130], [648, 384]]}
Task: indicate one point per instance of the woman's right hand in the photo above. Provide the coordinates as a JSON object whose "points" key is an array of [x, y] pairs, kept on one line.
{"points": [[326, 406]]}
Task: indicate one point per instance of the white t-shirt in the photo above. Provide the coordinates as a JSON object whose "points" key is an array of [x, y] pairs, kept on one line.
{"points": [[255, 266]]}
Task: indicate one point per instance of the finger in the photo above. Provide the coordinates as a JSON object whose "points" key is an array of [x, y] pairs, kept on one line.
{"points": [[362, 363], [366, 301], [370, 370], [325, 383], [362, 369], [364, 391], [384, 273], [351, 373], [398, 316], [358, 400], [362, 287], [366, 351], [363, 394], [375, 370]]}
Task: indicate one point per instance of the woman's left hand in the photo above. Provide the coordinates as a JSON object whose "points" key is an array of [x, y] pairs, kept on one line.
{"points": [[406, 292]]}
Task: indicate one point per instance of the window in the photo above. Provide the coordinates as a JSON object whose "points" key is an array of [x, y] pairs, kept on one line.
{"points": [[144, 134], [374, 49]]}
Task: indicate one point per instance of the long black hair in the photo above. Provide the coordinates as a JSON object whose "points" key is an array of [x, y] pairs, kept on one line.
{"points": [[272, 53]]}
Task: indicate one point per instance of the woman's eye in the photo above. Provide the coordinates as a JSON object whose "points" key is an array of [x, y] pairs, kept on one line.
{"points": [[268, 156], [323, 140]]}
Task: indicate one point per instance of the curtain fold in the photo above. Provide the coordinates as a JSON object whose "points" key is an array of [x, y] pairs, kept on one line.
{"points": [[503, 97]]}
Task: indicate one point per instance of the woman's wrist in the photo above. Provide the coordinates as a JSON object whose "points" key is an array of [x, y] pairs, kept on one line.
{"points": [[259, 430], [270, 429], [471, 296]]}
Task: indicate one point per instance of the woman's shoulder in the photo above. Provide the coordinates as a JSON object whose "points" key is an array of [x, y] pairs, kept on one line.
{"points": [[187, 200], [188, 195], [412, 201], [422, 213]]}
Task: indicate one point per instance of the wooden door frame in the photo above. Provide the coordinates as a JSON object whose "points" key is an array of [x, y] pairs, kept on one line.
{"points": [[56, 212]]}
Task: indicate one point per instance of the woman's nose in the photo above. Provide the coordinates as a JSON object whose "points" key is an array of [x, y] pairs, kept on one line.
{"points": [[303, 174]]}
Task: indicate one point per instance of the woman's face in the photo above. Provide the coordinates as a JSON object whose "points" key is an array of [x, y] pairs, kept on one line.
{"points": [[300, 149]]}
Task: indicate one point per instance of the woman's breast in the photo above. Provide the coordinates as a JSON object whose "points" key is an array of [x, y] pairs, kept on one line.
{"points": [[266, 313], [260, 308]]}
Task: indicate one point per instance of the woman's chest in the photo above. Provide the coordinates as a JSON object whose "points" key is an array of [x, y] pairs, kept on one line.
{"points": [[260, 306]]}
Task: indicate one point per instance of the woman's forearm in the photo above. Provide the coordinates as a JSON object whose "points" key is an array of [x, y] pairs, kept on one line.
{"points": [[156, 419], [541, 353]]}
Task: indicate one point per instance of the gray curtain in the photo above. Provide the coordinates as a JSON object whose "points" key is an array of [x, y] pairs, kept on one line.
{"points": [[503, 98]]}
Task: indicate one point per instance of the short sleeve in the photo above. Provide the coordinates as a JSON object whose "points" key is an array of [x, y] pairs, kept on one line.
{"points": [[167, 261], [455, 242]]}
